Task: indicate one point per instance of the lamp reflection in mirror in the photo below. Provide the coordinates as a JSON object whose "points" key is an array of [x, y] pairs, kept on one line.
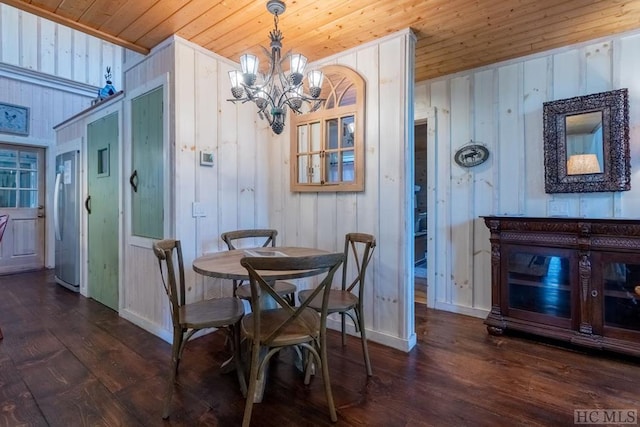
{"points": [[275, 91], [583, 164]]}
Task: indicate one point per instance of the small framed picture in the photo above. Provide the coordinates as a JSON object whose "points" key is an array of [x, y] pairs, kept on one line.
{"points": [[206, 158], [14, 119]]}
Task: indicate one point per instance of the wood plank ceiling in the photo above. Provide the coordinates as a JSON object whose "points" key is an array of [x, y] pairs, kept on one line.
{"points": [[452, 35]]}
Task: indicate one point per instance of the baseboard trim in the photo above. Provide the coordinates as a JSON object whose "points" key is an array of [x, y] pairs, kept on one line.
{"points": [[398, 343]]}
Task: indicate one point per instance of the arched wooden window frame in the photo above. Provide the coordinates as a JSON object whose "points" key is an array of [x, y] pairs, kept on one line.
{"points": [[338, 79]]}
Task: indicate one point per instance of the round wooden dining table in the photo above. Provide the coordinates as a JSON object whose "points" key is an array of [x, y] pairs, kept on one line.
{"points": [[226, 264]]}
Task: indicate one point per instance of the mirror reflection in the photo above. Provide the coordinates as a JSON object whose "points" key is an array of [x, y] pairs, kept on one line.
{"points": [[586, 143], [585, 146]]}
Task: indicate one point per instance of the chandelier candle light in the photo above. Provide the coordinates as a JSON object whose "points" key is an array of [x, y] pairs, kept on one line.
{"points": [[274, 91]]}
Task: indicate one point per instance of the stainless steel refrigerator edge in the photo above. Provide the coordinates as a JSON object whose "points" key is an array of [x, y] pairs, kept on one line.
{"points": [[66, 220]]}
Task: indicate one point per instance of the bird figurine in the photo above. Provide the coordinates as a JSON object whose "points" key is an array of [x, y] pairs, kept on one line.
{"points": [[108, 89]]}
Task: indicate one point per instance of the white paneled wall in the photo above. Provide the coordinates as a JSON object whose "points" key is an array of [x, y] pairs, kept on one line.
{"points": [[501, 106], [248, 185], [232, 194], [40, 45], [322, 219], [55, 72]]}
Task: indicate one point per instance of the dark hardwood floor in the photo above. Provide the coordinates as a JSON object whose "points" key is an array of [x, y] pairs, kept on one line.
{"points": [[68, 361]]}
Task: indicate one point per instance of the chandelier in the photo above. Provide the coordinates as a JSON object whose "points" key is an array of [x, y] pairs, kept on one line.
{"points": [[275, 91]]}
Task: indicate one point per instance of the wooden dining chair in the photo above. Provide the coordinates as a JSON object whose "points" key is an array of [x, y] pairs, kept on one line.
{"points": [[265, 238], [348, 301], [188, 318], [4, 220], [271, 330]]}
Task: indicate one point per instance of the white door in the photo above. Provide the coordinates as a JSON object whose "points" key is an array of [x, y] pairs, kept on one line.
{"points": [[22, 171]]}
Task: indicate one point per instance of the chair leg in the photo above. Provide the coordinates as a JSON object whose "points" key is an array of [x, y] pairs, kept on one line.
{"points": [[253, 380], [307, 364], [363, 338], [237, 356], [344, 329], [175, 354], [325, 377], [1, 336]]}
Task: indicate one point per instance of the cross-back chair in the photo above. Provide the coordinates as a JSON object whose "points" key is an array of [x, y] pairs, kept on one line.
{"points": [[348, 301], [270, 330], [265, 238], [188, 318]]}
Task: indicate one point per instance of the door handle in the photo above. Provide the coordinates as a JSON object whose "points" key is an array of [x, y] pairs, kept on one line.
{"points": [[40, 211], [87, 204], [134, 185], [56, 206]]}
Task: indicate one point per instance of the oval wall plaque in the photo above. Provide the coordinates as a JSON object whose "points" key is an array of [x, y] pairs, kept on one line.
{"points": [[471, 155]]}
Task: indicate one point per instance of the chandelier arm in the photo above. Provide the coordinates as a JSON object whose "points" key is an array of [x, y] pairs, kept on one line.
{"points": [[268, 78]]}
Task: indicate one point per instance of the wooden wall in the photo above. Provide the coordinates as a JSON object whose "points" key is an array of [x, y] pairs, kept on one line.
{"points": [[55, 72], [41, 45], [248, 185], [232, 194], [322, 219], [501, 106]]}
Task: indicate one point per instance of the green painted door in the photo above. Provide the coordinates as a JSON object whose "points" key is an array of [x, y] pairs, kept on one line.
{"points": [[147, 161], [102, 210]]}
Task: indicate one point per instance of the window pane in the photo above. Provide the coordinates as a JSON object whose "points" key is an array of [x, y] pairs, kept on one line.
{"points": [[303, 141], [103, 161], [7, 198], [333, 168], [28, 160], [7, 178], [348, 129], [303, 162], [28, 199], [8, 159], [315, 173], [316, 137], [349, 96], [28, 179], [348, 170], [332, 134]]}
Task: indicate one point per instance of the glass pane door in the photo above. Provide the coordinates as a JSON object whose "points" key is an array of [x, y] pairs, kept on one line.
{"points": [[621, 287], [538, 284]]}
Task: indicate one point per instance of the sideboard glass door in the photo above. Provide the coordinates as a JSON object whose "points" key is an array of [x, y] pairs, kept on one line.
{"points": [[621, 291], [538, 285]]}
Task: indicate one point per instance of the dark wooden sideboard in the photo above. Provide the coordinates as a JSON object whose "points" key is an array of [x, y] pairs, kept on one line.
{"points": [[573, 279]]}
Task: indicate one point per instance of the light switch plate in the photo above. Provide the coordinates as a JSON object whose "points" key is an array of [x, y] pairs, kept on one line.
{"points": [[197, 210], [558, 208]]}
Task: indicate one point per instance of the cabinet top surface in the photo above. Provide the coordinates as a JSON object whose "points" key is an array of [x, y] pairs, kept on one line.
{"points": [[561, 219]]}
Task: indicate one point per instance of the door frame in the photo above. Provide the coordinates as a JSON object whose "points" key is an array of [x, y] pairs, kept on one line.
{"points": [[44, 201], [429, 116]]}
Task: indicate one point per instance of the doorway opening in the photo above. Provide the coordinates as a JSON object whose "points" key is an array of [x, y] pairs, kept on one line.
{"points": [[22, 197], [420, 211]]}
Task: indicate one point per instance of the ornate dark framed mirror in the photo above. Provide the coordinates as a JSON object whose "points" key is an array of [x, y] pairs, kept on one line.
{"points": [[586, 143]]}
